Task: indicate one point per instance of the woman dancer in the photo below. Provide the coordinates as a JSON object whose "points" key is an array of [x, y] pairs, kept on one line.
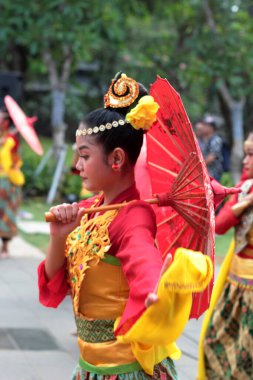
{"points": [[128, 313], [11, 178], [226, 342]]}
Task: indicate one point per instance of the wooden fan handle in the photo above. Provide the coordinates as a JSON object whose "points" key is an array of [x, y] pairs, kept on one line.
{"points": [[50, 217]]}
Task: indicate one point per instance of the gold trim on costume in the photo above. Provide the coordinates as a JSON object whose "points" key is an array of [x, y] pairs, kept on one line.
{"points": [[85, 246], [242, 267]]}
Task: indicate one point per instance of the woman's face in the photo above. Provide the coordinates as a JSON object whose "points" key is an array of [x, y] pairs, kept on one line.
{"points": [[248, 160], [93, 165]]}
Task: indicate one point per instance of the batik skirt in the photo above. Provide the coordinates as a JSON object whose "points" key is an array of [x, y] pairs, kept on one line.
{"points": [[10, 196], [228, 345], [162, 371]]}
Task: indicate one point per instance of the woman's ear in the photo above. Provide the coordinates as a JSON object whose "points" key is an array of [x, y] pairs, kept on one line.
{"points": [[117, 157]]}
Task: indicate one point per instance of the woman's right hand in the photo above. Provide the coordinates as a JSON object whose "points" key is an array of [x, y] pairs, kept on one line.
{"points": [[68, 218]]}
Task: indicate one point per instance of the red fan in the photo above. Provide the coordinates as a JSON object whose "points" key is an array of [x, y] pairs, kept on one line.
{"points": [[178, 175], [23, 124]]}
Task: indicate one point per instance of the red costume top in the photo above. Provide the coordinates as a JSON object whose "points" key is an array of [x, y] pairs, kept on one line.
{"points": [[225, 218], [132, 235]]}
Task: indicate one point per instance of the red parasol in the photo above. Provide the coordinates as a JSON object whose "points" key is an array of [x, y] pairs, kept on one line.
{"points": [[176, 168], [23, 124]]}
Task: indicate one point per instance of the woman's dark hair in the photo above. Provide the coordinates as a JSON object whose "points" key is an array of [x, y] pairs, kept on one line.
{"points": [[123, 136]]}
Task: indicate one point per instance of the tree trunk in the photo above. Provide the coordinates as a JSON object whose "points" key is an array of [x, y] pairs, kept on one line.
{"points": [[57, 120], [235, 107], [58, 83], [236, 111]]}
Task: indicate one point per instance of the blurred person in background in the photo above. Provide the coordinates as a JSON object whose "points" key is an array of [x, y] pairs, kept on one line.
{"points": [[11, 179], [199, 132], [211, 145], [226, 342]]}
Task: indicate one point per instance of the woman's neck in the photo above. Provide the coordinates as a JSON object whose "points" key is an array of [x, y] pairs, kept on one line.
{"points": [[122, 184]]}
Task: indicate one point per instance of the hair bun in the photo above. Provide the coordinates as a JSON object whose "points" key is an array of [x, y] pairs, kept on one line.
{"points": [[122, 92]]}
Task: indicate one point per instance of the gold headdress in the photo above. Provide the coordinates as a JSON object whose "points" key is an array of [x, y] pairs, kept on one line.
{"points": [[122, 93]]}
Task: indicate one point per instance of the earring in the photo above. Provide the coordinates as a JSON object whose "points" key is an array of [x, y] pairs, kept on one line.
{"points": [[115, 167]]}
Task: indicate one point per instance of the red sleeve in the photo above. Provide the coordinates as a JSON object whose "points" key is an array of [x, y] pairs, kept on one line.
{"points": [[225, 218], [52, 293], [141, 261]]}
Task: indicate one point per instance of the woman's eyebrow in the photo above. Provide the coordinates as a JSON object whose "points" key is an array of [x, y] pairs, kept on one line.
{"points": [[83, 147]]}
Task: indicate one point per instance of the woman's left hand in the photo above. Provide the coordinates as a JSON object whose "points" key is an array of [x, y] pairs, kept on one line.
{"points": [[152, 297]]}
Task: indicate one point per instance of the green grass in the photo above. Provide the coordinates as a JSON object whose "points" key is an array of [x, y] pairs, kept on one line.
{"points": [[222, 243], [38, 240], [37, 207]]}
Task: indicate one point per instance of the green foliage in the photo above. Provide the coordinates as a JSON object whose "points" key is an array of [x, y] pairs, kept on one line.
{"points": [[226, 180], [222, 243], [35, 185], [39, 185], [37, 207], [144, 38], [71, 185]]}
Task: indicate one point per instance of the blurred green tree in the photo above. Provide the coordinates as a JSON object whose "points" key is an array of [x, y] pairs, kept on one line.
{"points": [[56, 35], [203, 47]]}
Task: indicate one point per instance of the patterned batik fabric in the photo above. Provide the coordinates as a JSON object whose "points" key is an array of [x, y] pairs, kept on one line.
{"points": [[228, 344], [9, 202], [162, 371]]}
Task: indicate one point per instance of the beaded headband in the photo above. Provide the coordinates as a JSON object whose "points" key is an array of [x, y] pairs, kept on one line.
{"points": [[101, 128], [122, 92]]}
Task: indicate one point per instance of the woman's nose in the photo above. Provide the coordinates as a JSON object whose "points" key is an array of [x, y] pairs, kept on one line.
{"points": [[78, 164], [245, 160]]}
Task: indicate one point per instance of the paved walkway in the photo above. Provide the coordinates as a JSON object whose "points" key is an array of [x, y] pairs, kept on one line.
{"points": [[36, 343]]}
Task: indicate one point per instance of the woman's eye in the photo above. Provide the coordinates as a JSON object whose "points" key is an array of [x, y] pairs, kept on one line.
{"points": [[85, 157]]}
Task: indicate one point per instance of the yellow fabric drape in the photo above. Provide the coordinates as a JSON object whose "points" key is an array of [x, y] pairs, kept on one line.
{"points": [[218, 287], [11, 169], [5, 154], [242, 267], [153, 336]]}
